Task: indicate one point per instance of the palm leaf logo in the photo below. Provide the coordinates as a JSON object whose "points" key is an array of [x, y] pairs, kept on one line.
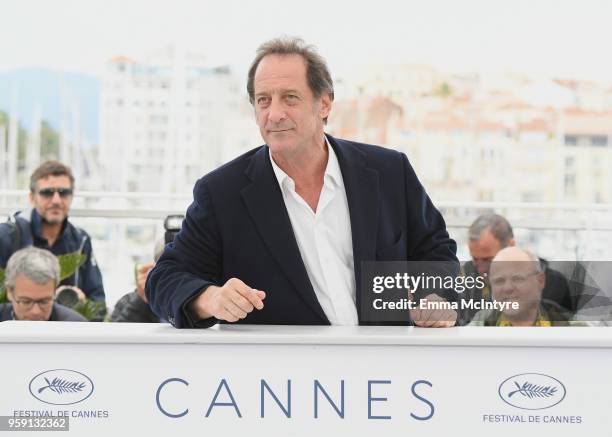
{"points": [[533, 391], [61, 386]]}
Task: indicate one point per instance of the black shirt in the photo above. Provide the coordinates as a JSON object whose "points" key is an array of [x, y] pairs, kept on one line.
{"points": [[59, 313]]}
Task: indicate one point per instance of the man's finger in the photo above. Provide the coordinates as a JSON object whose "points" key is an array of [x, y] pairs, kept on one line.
{"points": [[234, 309], [228, 316], [252, 296], [241, 302], [145, 268], [424, 323]]}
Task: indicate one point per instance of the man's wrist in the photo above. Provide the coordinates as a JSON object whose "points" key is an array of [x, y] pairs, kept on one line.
{"points": [[197, 307]]}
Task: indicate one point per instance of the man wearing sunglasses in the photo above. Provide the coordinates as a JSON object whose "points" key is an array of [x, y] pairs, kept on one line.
{"points": [[46, 226], [32, 276]]}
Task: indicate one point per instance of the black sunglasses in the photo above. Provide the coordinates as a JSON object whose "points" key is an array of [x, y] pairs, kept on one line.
{"points": [[49, 192]]}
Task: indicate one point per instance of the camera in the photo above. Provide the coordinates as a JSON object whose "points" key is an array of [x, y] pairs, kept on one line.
{"points": [[68, 297], [172, 225]]}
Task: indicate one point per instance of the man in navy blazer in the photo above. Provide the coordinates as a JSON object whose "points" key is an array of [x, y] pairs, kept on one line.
{"points": [[246, 254]]}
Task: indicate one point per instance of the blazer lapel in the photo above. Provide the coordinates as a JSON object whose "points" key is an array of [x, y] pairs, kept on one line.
{"points": [[264, 202], [361, 185]]}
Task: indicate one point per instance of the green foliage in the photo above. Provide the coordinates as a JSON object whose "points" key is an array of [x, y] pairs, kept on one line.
{"points": [[444, 90], [91, 310], [49, 141], [69, 263], [49, 144], [3, 298]]}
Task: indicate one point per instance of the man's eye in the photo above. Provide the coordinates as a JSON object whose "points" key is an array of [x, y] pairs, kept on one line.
{"points": [[262, 100], [292, 97]]}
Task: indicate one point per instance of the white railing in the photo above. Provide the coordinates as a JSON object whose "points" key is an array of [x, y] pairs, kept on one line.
{"points": [[144, 205], [124, 227]]}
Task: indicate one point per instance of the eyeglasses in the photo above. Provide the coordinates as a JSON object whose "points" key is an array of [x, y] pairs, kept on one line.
{"points": [[50, 192], [29, 303], [516, 280]]}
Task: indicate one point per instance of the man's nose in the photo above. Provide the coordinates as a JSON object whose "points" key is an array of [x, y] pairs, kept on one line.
{"points": [[276, 112], [36, 310], [508, 287], [56, 197]]}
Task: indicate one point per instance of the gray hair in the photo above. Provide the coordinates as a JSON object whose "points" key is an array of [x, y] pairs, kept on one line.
{"points": [[38, 265], [496, 224], [317, 74]]}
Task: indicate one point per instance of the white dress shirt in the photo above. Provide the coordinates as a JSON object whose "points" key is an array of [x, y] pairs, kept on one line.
{"points": [[325, 241]]}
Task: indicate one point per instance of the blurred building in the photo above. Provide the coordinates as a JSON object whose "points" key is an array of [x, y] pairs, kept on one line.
{"points": [[167, 120], [506, 138]]}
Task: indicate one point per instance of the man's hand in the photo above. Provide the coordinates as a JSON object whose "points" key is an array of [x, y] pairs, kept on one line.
{"points": [[141, 279], [231, 302], [433, 317]]}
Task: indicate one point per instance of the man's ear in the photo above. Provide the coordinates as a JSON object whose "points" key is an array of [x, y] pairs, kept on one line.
{"points": [[326, 105], [512, 242], [9, 294], [541, 278]]}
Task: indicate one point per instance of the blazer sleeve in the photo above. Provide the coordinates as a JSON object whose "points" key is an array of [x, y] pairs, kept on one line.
{"points": [[189, 265]]}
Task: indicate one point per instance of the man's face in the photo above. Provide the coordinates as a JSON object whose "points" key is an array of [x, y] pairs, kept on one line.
{"points": [[31, 301], [52, 198], [289, 117], [517, 281], [484, 250]]}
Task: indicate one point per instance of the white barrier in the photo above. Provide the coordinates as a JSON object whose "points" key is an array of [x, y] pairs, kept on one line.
{"points": [[154, 380]]}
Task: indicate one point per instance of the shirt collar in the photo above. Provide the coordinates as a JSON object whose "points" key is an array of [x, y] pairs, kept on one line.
{"points": [[332, 174]]}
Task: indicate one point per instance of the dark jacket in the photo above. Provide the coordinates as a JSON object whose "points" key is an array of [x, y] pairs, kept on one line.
{"points": [[131, 308], [238, 226], [59, 313], [26, 230]]}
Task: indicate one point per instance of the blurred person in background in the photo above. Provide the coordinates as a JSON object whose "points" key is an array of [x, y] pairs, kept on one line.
{"points": [[516, 276], [32, 275], [133, 307], [488, 235], [46, 226]]}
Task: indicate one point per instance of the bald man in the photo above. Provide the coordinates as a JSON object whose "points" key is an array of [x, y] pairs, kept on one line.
{"points": [[489, 234], [517, 280]]}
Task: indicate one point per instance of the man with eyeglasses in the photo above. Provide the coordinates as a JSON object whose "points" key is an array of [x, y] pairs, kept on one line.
{"points": [[46, 226], [517, 279], [32, 276], [487, 236]]}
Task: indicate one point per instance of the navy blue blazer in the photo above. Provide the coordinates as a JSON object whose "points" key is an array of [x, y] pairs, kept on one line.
{"points": [[238, 226]]}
